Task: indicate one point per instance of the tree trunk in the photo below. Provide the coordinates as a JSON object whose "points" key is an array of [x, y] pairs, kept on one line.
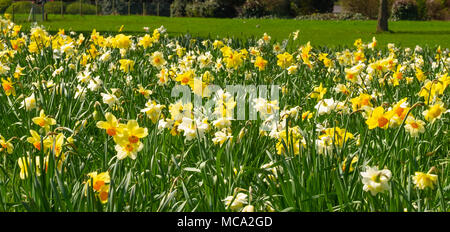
{"points": [[43, 11], [383, 15], [157, 8], [143, 7]]}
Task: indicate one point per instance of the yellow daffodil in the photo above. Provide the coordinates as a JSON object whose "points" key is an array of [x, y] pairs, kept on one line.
{"points": [[8, 87], [260, 63], [44, 121], [111, 125], [6, 146], [126, 65], [352, 168], [424, 180], [285, 60], [318, 92], [434, 112], [379, 118], [131, 132], [100, 185]]}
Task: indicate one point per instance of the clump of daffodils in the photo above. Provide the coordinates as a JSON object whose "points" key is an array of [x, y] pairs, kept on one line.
{"points": [[126, 136], [332, 138], [285, 145], [100, 185]]}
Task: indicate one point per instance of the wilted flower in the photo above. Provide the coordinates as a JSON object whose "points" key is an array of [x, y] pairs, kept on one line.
{"points": [[236, 202], [424, 180]]}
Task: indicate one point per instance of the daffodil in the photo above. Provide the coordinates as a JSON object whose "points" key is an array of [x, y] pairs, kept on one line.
{"points": [[414, 126], [179, 110], [146, 41], [248, 208], [98, 180], [318, 92], [398, 112], [363, 100], [420, 75], [6, 146], [352, 168], [109, 99], [373, 44], [157, 59], [55, 144], [100, 185], [35, 139], [126, 65], [26, 162], [121, 41], [375, 180], [220, 137], [44, 121], [153, 110], [127, 149], [424, 180], [285, 60], [379, 118], [8, 87], [260, 63], [111, 125], [186, 78], [233, 59], [284, 142], [307, 115], [236, 202], [131, 133], [434, 112]]}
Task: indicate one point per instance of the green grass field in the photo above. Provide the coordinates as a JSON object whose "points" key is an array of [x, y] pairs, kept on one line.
{"points": [[320, 33]]}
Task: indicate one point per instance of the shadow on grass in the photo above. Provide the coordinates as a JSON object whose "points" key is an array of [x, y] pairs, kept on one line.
{"points": [[423, 32]]}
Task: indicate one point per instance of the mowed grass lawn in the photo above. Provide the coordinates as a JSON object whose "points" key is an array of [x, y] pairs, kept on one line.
{"points": [[320, 33]]}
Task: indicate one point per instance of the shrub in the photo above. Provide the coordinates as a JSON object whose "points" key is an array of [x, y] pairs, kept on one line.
{"points": [[228, 8], [252, 8], [74, 8], [435, 9], [306, 7], [208, 8], [22, 8], [367, 8], [333, 16], [277, 7], [178, 8], [404, 10], [4, 4], [53, 7], [260, 8], [151, 8], [421, 9]]}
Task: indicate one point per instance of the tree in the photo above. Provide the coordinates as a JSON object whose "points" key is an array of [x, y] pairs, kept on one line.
{"points": [[383, 15]]}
